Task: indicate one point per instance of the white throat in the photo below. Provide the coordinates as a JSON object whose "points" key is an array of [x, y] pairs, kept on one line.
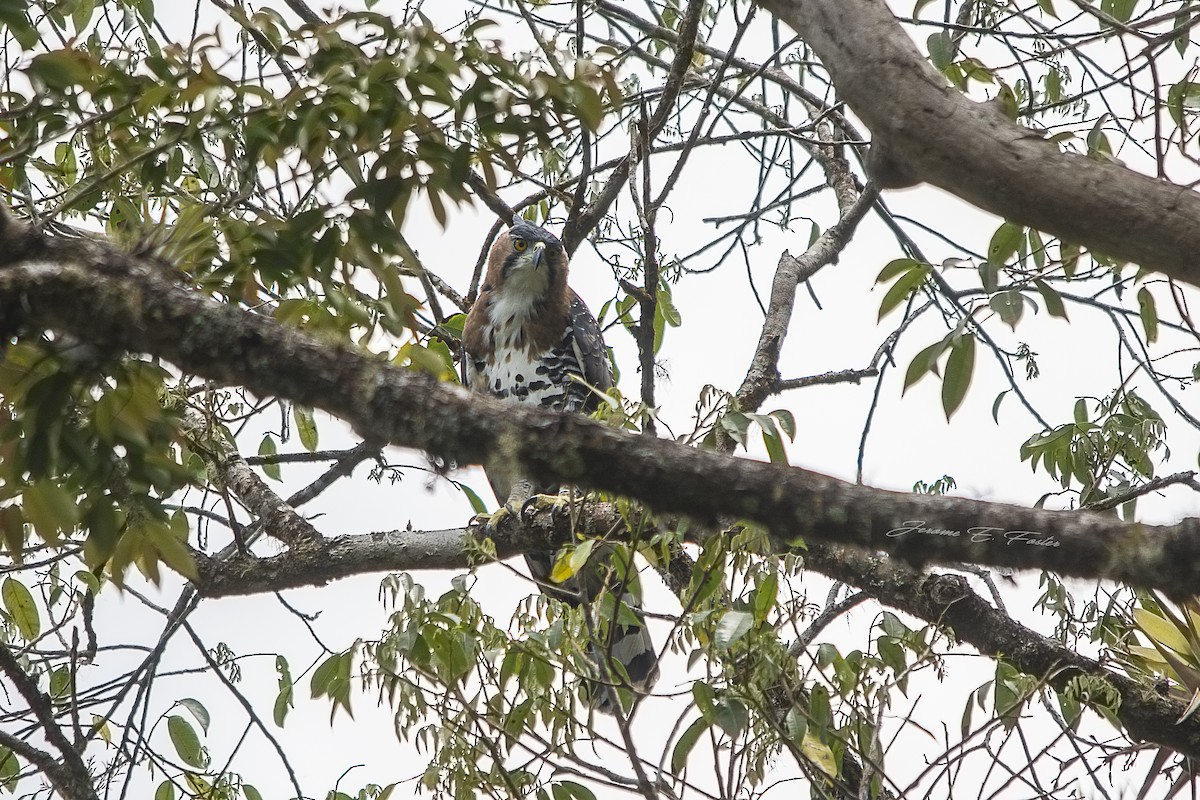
{"points": [[513, 305]]}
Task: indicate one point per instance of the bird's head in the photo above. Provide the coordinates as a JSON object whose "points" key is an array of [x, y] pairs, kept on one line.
{"points": [[527, 260]]}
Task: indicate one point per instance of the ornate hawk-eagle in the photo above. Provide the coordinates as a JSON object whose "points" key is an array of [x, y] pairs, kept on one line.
{"points": [[530, 339]]}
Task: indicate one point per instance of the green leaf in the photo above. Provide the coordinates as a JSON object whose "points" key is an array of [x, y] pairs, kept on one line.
{"points": [[733, 626], [795, 724], [187, 743], [1161, 631], [941, 49], [660, 327], [325, 675], [1097, 141], [1005, 242], [895, 268], [1070, 707], [198, 711], [730, 715], [989, 275], [736, 424], [669, 312], [165, 791], [284, 700], [82, 15], [170, 542], [1048, 7], [100, 725], [51, 509], [569, 790], [580, 555], [63, 68], [145, 9], [765, 595], [60, 683], [1120, 10], [905, 285], [1008, 306], [332, 679], [775, 449], [306, 426], [1184, 94], [819, 754], [786, 421], [571, 561], [10, 770], [959, 367], [266, 448], [1052, 299], [1149, 313], [13, 15], [18, 601], [1183, 38], [705, 699], [477, 504], [683, 747], [924, 361], [12, 531], [456, 655], [996, 406], [1037, 248], [1068, 254]]}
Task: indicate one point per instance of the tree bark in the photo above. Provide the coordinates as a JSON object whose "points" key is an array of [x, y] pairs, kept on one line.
{"points": [[932, 133], [122, 304]]}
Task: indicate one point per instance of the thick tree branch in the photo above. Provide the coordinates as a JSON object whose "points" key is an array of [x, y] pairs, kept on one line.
{"points": [[118, 303], [939, 599], [279, 519], [949, 600], [931, 133]]}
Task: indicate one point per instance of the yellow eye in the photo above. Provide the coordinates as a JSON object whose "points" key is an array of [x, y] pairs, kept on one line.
{"points": [[519, 245]]}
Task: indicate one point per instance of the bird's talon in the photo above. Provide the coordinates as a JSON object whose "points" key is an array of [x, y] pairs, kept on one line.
{"points": [[490, 523], [555, 504]]}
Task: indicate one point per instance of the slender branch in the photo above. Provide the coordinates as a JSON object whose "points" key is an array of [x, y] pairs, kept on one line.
{"points": [[490, 199], [280, 520], [298, 458], [822, 621], [69, 775], [762, 379], [303, 11], [826, 378], [255, 720], [1187, 478], [582, 220]]}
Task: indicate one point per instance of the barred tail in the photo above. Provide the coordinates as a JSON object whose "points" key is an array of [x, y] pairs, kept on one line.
{"points": [[632, 654], [626, 659]]}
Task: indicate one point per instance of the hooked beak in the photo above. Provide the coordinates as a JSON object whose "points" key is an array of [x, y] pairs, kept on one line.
{"points": [[537, 254]]}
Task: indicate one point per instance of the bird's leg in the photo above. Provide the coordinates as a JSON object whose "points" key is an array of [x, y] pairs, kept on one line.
{"points": [[518, 497], [556, 504]]}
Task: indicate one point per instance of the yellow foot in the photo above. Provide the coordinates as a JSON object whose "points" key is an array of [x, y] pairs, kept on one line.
{"points": [[556, 504], [490, 523], [536, 504]]}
